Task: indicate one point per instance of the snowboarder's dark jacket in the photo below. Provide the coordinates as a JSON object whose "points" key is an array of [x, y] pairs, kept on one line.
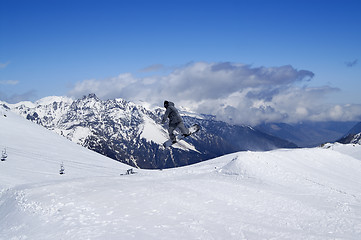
{"points": [[172, 114]]}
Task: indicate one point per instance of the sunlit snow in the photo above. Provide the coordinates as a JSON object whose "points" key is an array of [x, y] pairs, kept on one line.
{"points": [[281, 194]]}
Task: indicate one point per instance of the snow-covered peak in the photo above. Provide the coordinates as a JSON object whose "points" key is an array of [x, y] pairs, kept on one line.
{"points": [[26, 104], [146, 105], [356, 139], [52, 99]]}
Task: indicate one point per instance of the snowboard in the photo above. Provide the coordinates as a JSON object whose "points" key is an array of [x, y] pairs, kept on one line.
{"points": [[193, 129]]}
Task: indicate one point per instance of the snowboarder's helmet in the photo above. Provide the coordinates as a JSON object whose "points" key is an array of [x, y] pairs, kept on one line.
{"points": [[166, 103]]}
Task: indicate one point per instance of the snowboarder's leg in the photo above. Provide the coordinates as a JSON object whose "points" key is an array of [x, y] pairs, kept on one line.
{"points": [[183, 129], [170, 131]]}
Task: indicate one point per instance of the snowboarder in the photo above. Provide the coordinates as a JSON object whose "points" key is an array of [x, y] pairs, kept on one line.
{"points": [[175, 121]]}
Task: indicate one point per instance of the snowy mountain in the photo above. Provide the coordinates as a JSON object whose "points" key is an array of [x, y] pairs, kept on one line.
{"points": [[281, 194], [132, 134], [353, 136], [351, 139]]}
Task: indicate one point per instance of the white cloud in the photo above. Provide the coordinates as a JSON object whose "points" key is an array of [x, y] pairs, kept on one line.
{"points": [[108, 88], [234, 92], [4, 65], [9, 82], [15, 98], [152, 68]]}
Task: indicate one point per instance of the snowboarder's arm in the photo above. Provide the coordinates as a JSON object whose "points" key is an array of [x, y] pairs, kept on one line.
{"points": [[166, 114]]}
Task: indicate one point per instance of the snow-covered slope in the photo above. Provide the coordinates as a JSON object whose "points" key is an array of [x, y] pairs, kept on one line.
{"points": [[280, 194], [353, 150], [35, 154]]}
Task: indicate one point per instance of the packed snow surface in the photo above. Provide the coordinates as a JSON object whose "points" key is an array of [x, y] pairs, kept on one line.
{"points": [[281, 194]]}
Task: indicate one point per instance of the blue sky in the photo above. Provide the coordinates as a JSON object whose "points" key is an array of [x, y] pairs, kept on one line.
{"points": [[67, 47]]}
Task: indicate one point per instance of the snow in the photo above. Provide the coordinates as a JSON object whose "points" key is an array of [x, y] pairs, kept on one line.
{"points": [[145, 105], [151, 131], [35, 154], [52, 99], [282, 194], [27, 104], [352, 150], [184, 145], [80, 134]]}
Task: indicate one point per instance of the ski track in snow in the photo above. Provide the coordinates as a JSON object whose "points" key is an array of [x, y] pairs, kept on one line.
{"points": [[280, 194]]}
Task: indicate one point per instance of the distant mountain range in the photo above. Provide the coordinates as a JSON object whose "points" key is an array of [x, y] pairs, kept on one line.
{"points": [[133, 134], [310, 134]]}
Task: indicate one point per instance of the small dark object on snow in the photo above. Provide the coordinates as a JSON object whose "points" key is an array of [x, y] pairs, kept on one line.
{"points": [[129, 172], [62, 169], [3, 155]]}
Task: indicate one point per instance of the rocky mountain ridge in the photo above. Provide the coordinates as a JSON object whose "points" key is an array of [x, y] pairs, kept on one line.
{"points": [[133, 134], [351, 139]]}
